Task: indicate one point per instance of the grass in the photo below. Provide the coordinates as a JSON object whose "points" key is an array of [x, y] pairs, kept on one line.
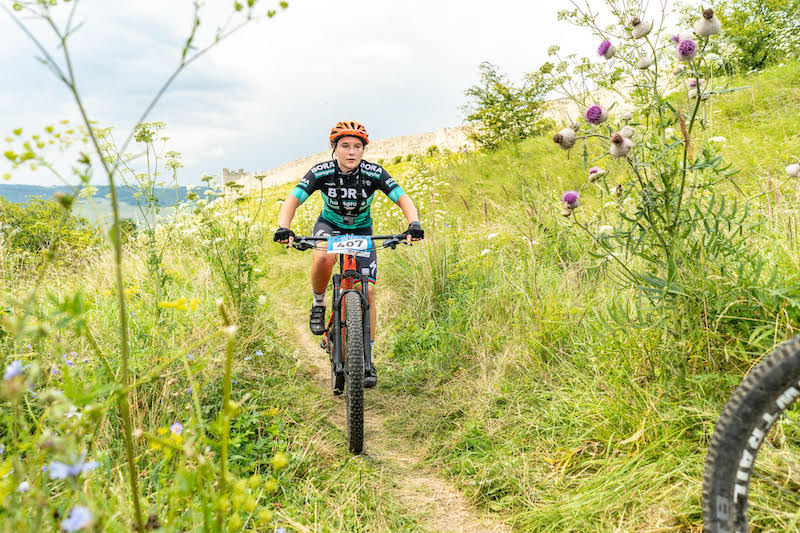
{"points": [[554, 399]]}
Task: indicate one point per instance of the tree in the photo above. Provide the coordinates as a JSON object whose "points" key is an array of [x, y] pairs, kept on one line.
{"points": [[502, 112]]}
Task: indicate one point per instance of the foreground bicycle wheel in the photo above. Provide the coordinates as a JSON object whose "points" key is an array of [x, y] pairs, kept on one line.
{"points": [[354, 372], [751, 480]]}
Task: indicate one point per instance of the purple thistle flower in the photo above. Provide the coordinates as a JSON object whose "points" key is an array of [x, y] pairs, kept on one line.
{"points": [[687, 49], [570, 198], [675, 39], [596, 115], [606, 49]]}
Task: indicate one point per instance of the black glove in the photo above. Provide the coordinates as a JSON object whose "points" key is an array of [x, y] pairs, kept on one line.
{"points": [[282, 234], [415, 230]]}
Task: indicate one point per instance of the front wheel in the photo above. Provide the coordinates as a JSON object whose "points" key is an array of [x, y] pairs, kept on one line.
{"points": [[751, 479], [354, 372]]}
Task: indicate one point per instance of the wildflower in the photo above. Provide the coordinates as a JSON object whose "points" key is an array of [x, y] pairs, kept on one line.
{"points": [[595, 173], [79, 517], [13, 370], [570, 198], [565, 138], [675, 39], [718, 140], [24, 487], [485, 251], [569, 201], [606, 230], [627, 131], [72, 412], [794, 170], [606, 49], [596, 114], [693, 95], [645, 62], [708, 24], [262, 300], [259, 353], [176, 428], [491, 236], [190, 357], [59, 470], [627, 115], [279, 461], [2, 449], [686, 50], [694, 82], [640, 29], [620, 145], [265, 516]]}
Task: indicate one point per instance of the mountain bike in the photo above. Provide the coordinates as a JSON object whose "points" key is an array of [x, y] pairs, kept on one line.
{"points": [[751, 480], [346, 338]]}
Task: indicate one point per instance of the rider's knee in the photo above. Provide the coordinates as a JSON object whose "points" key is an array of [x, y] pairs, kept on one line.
{"points": [[371, 291], [327, 260]]}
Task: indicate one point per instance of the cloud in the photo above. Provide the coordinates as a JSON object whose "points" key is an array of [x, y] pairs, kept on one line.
{"points": [[269, 93]]}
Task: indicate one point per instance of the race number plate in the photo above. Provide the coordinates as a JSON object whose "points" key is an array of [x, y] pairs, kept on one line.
{"points": [[357, 245]]}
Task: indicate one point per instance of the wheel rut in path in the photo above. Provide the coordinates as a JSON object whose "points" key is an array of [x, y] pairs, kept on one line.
{"points": [[441, 506]]}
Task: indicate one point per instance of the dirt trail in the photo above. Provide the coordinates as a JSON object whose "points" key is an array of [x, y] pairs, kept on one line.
{"points": [[442, 506]]}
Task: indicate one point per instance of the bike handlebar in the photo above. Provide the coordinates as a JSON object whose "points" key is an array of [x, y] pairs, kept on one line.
{"points": [[307, 243]]}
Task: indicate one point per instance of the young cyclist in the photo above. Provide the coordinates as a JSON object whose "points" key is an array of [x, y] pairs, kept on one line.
{"points": [[347, 184]]}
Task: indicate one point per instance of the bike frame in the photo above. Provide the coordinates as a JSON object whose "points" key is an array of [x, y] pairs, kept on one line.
{"points": [[344, 282]]}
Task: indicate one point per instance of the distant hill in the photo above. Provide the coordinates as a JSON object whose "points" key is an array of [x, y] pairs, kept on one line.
{"points": [[21, 193]]}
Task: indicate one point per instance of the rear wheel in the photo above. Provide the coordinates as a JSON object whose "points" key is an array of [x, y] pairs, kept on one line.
{"points": [[354, 372], [752, 472]]}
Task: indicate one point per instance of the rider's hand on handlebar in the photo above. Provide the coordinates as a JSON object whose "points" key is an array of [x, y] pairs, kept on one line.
{"points": [[414, 232], [283, 235]]}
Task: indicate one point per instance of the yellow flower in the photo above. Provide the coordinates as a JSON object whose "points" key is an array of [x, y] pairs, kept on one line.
{"points": [[235, 523], [279, 461], [265, 516], [270, 485]]}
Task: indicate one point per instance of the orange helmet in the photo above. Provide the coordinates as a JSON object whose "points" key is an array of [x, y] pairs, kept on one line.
{"points": [[347, 128]]}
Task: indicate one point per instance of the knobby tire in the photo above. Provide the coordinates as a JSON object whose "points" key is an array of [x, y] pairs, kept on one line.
{"points": [[354, 372], [751, 479]]}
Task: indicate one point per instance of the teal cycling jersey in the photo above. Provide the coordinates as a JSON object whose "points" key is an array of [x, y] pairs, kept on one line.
{"points": [[347, 197]]}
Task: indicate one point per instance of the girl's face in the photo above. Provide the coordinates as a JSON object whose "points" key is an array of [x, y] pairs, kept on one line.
{"points": [[349, 151]]}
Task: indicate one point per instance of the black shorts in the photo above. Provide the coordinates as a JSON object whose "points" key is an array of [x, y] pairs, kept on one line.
{"points": [[365, 265]]}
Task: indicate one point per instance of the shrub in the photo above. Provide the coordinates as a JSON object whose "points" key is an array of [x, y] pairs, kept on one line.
{"points": [[396, 159], [762, 31], [505, 113], [37, 225]]}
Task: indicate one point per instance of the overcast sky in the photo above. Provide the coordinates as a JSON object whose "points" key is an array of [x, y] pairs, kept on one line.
{"points": [[270, 94]]}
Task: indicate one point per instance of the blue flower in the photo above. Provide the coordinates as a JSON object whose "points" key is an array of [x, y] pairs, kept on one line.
{"points": [[190, 390], [79, 517], [59, 470], [2, 449], [259, 352], [13, 370], [190, 357], [176, 428], [55, 371], [24, 487]]}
